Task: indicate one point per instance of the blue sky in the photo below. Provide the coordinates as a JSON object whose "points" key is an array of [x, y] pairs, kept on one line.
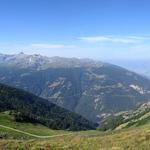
{"points": [[99, 29]]}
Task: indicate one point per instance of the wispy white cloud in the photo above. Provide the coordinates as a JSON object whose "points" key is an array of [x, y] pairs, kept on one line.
{"points": [[51, 46], [131, 46], [115, 39]]}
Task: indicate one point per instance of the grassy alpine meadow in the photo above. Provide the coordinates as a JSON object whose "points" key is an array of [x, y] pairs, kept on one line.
{"points": [[129, 139], [134, 138]]}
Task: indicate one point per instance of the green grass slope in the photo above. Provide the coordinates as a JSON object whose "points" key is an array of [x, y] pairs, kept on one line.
{"points": [[130, 139], [23, 129]]}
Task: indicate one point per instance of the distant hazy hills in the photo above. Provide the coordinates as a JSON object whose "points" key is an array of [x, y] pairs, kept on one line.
{"points": [[30, 108], [141, 66], [90, 88]]}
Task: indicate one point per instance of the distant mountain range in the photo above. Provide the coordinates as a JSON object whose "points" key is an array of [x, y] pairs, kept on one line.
{"points": [[30, 108], [38, 62], [90, 88]]}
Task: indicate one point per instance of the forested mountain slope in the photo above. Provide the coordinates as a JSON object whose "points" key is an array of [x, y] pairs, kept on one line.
{"points": [[30, 108]]}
